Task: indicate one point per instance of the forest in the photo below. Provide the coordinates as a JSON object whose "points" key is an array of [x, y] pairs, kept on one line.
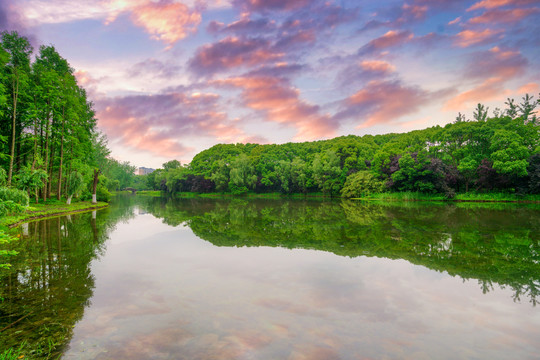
{"points": [[51, 148], [497, 153]]}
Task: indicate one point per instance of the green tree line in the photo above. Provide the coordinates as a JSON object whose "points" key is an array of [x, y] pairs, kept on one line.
{"points": [[484, 154], [49, 143]]}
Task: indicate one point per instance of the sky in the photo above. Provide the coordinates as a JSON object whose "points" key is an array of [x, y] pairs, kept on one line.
{"points": [[170, 78]]}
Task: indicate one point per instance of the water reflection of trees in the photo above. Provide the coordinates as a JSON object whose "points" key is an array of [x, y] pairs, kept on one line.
{"points": [[50, 282], [493, 244]]}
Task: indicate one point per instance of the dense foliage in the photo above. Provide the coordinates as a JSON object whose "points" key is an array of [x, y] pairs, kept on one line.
{"points": [[498, 153], [48, 133]]}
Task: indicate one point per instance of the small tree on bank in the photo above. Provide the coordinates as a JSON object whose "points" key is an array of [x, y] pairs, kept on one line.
{"points": [[75, 184]]}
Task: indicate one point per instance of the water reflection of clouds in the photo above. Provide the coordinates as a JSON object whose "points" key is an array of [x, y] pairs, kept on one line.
{"points": [[205, 302]]}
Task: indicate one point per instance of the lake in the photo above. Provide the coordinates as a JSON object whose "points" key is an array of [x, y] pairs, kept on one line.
{"points": [[150, 278]]}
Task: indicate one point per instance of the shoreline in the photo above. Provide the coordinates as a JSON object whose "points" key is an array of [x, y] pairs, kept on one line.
{"points": [[50, 211], [469, 198]]}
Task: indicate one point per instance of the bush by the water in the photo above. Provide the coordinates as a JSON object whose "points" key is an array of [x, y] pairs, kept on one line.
{"points": [[362, 183], [17, 196]]}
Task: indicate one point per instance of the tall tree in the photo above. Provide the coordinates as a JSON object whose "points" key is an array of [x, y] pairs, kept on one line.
{"points": [[57, 90], [18, 69], [242, 174]]}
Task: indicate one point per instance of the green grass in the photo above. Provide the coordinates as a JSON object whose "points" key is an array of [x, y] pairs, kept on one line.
{"points": [[387, 196], [12, 354], [47, 350], [154, 193], [404, 196], [50, 208], [473, 197]]}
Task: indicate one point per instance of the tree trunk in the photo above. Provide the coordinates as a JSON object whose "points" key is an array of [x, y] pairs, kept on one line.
{"points": [[35, 145], [68, 161], [49, 184], [46, 164], [59, 192], [68, 202], [94, 186], [15, 95]]}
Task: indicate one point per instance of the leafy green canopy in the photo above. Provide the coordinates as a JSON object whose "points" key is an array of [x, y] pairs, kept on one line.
{"points": [[482, 154], [48, 127]]}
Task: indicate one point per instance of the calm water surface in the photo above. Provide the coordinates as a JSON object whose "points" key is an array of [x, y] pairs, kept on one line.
{"points": [[266, 279]]}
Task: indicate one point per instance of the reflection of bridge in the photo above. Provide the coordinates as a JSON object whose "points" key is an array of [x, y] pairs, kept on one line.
{"points": [[133, 191]]}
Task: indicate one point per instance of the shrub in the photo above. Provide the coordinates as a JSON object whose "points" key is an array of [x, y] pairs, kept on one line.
{"points": [[3, 177], [15, 195], [102, 194], [237, 190], [10, 208], [362, 183]]}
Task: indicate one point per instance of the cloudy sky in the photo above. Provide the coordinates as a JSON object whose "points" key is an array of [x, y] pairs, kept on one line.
{"points": [[171, 78]]}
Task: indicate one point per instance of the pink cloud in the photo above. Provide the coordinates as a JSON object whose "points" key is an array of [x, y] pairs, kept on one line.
{"points": [[389, 39], [455, 21], [504, 64], [492, 69], [155, 67], [530, 88], [88, 82], [413, 12], [167, 22], [363, 72], [377, 66], [383, 102], [160, 124], [418, 123], [492, 4], [491, 89], [232, 52], [267, 5], [84, 78], [243, 26], [503, 16], [279, 102], [291, 41], [468, 38]]}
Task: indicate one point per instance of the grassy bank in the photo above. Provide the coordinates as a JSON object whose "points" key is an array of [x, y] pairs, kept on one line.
{"points": [[468, 197], [388, 196], [51, 208]]}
